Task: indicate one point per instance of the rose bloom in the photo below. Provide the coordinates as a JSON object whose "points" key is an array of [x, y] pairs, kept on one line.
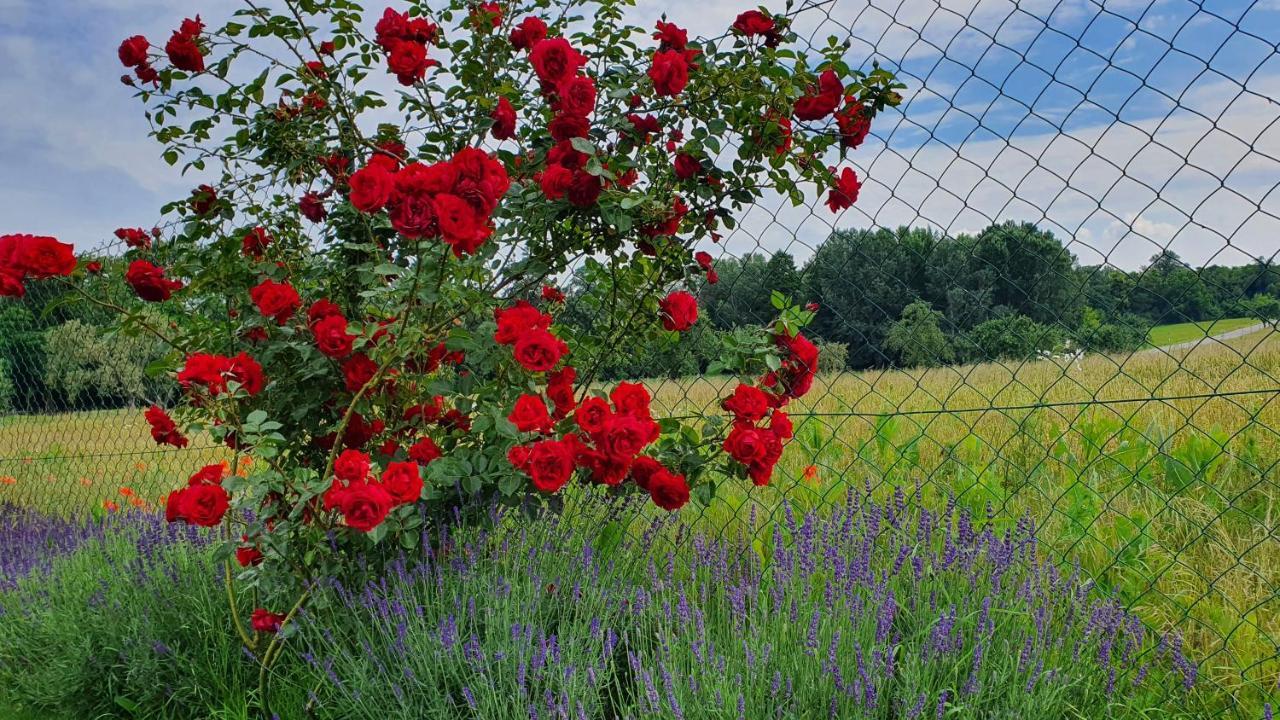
{"points": [[747, 403], [266, 622], [566, 127], [679, 311], [555, 60], [753, 22], [518, 319], [746, 444], [668, 490], [560, 390], [364, 506], [184, 52], [643, 469], [371, 187], [408, 60], [163, 430], [312, 207], [822, 101], [204, 199], [504, 120], [133, 51], [577, 96], [352, 466], [631, 398], [403, 482], [278, 301], [38, 256], [592, 414], [539, 350], [255, 242], [686, 166], [528, 33], [332, 337], [247, 555], [669, 72], [845, 192], [549, 463], [202, 505], [357, 371], [530, 414], [424, 451], [149, 282]]}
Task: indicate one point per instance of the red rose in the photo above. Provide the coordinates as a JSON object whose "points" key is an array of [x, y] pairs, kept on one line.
{"points": [[854, 122], [364, 506], [686, 166], [552, 294], [357, 371], [413, 214], [530, 415], [486, 15], [11, 284], [332, 337], [163, 430], [592, 414], [703, 259], [747, 444], [643, 469], [255, 242], [753, 22], [604, 469], [576, 96], [845, 192], [528, 33], [352, 466], [560, 390], [799, 366], [679, 311], [747, 403], [549, 463], [320, 310], [247, 555], [424, 451], [146, 74], [184, 52], [403, 482], [504, 120], [624, 436], [460, 226], [204, 200], [670, 36], [669, 72], [202, 505], [482, 180], [207, 475], [371, 187], [555, 60], [517, 320], [408, 61], [278, 301], [821, 101], [149, 282], [93, 267], [668, 490], [327, 47], [566, 127], [205, 370], [539, 350], [644, 126], [39, 256], [247, 372], [584, 190], [555, 181], [631, 399], [780, 425], [133, 51], [266, 622], [312, 207]]}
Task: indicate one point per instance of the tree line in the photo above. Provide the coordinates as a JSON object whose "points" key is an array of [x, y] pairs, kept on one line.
{"points": [[905, 297]]}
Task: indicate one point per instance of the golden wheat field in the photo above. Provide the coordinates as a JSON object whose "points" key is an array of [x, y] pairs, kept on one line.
{"points": [[1171, 503]]}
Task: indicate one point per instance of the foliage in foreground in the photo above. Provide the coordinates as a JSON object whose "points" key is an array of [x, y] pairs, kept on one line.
{"points": [[876, 611]]}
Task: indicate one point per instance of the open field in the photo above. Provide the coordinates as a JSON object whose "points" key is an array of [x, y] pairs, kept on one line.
{"points": [[1163, 335], [1171, 502]]}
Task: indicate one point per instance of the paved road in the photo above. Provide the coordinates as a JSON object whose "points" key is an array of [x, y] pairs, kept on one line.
{"points": [[1240, 332]]}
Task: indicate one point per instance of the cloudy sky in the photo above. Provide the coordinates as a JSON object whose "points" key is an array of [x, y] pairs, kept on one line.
{"points": [[1124, 127]]}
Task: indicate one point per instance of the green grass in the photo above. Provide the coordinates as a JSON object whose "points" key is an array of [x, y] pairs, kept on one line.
{"points": [[1165, 335]]}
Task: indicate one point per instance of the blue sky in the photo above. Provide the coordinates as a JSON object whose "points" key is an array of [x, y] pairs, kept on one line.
{"points": [[1122, 126]]}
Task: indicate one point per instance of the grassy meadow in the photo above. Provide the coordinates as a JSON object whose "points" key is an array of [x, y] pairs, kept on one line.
{"points": [[1171, 503], [1163, 335]]}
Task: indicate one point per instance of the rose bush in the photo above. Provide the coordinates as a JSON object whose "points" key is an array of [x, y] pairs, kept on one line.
{"points": [[365, 287]]}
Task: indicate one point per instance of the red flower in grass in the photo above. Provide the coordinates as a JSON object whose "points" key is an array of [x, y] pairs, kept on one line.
{"points": [[266, 622], [163, 430]]}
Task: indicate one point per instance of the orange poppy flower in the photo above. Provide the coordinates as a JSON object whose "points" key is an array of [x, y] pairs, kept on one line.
{"points": [[126, 491], [86, 481], [109, 506], [137, 502], [8, 480], [811, 473], [141, 467]]}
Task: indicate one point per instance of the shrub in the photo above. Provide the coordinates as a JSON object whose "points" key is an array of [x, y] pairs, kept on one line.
{"points": [[875, 612], [1012, 337], [832, 356], [372, 315], [94, 368], [6, 387], [916, 338]]}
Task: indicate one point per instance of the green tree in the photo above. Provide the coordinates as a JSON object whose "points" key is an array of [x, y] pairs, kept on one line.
{"points": [[916, 339], [741, 297], [88, 367], [1028, 270], [1011, 337]]}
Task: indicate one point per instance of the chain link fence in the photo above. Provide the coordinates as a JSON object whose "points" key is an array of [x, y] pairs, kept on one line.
{"points": [[1056, 297]]}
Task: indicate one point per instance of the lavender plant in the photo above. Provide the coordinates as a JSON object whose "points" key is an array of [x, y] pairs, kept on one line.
{"points": [[880, 610]]}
